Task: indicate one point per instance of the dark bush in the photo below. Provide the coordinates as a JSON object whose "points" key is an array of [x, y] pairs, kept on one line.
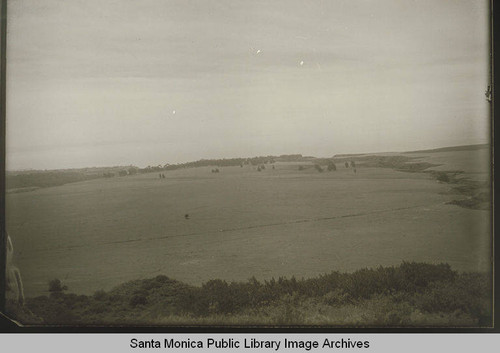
{"points": [[98, 308], [443, 177], [100, 295], [417, 274], [219, 296], [138, 299], [162, 279], [469, 293], [338, 297], [194, 302], [52, 310], [56, 287]]}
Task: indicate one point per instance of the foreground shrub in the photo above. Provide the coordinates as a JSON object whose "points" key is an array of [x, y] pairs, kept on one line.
{"points": [[138, 299], [471, 293], [396, 296], [55, 286]]}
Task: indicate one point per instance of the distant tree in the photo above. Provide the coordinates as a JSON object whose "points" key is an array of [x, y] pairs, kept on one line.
{"points": [[56, 288], [346, 165], [331, 166], [273, 167], [258, 169], [132, 171], [301, 167], [353, 165], [318, 168], [122, 173]]}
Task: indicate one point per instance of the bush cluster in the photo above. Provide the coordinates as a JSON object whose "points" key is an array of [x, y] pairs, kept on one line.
{"points": [[413, 286], [442, 177]]}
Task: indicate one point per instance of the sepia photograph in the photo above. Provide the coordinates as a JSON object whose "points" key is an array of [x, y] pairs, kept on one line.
{"points": [[230, 163]]}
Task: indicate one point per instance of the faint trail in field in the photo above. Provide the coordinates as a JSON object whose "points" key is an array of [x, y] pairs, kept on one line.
{"points": [[308, 220], [319, 219]]}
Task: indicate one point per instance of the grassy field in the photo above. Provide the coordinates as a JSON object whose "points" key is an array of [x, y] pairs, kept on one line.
{"points": [[100, 233]]}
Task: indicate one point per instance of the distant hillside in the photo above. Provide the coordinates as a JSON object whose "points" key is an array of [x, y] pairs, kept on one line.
{"points": [[342, 155], [434, 150], [28, 180], [454, 148]]}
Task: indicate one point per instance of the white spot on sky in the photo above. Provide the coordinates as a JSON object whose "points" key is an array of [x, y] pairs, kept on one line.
{"points": [[173, 112], [258, 51], [301, 63]]}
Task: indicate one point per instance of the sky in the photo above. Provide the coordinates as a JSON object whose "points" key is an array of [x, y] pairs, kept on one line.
{"points": [[121, 82]]}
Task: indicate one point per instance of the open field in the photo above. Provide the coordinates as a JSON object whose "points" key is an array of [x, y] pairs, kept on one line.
{"points": [[99, 233]]}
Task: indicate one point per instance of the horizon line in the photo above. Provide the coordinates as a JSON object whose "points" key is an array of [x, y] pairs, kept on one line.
{"points": [[438, 149]]}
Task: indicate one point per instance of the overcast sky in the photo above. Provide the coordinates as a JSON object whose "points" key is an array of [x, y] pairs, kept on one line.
{"points": [[119, 82]]}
